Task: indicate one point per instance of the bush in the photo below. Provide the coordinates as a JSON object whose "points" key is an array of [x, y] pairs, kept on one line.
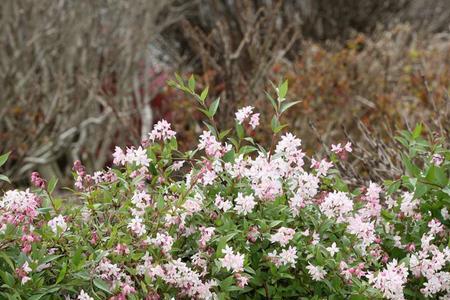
{"points": [[231, 219]]}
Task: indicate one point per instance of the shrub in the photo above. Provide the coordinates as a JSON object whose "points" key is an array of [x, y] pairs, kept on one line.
{"points": [[231, 219]]}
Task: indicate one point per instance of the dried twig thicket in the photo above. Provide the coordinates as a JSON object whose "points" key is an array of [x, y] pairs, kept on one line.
{"points": [[237, 45], [77, 77], [80, 76]]}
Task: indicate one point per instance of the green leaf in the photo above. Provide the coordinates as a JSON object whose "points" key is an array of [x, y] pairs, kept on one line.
{"points": [[247, 149], [436, 175], [213, 107], [52, 184], [224, 133], [282, 90], [287, 105], [204, 111], [421, 190], [410, 167], [153, 169], [211, 128], [7, 278], [279, 128], [274, 123], [62, 273], [4, 178], [191, 83], [204, 94], [77, 257], [393, 187], [179, 79], [417, 131], [4, 158], [272, 101], [358, 297], [229, 156], [7, 260], [240, 131], [50, 258], [387, 214], [102, 285], [51, 290]]}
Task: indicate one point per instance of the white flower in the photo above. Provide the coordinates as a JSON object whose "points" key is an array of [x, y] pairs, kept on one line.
{"points": [[243, 113], [244, 204], [232, 262], [221, 204], [283, 236], [336, 205], [58, 222], [408, 204], [317, 273], [289, 256], [391, 280], [84, 296], [137, 226], [333, 249]]}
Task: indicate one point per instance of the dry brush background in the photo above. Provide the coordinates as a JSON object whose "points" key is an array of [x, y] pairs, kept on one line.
{"points": [[78, 77]]}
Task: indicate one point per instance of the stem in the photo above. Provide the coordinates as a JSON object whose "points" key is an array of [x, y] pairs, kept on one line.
{"points": [[272, 145], [51, 201], [266, 289]]}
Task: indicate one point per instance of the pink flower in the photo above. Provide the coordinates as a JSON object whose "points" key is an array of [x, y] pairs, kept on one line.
{"points": [[342, 152], [286, 257], [409, 204], [37, 180], [162, 131], [137, 227], [222, 204], [193, 204], [206, 235], [23, 271], [254, 121], [322, 167], [163, 241], [437, 159], [317, 273], [283, 236], [435, 226], [137, 156], [122, 249], [209, 177], [364, 230], [243, 113], [336, 205], [18, 206], [241, 280], [212, 147], [177, 165], [246, 113], [390, 281], [338, 149], [231, 261]]}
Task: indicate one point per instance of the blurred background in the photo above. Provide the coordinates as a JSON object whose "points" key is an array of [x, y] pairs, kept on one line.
{"points": [[79, 77]]}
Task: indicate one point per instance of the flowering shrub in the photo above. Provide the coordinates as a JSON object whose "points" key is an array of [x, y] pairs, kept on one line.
{"points": [[231, 219]]}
